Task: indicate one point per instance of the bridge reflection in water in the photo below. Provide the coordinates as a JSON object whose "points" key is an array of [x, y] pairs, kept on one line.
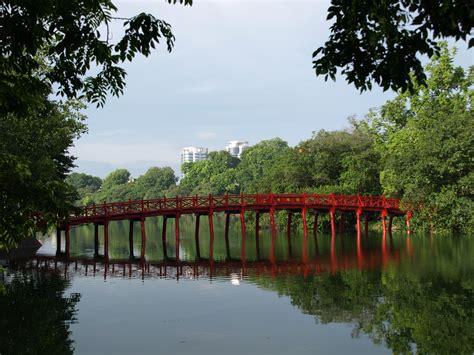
{"points": [[405, 294], [347, 256]]}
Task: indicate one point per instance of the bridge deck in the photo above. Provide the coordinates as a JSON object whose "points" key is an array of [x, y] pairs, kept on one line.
{"points": [[199, 205], [134, 210]]}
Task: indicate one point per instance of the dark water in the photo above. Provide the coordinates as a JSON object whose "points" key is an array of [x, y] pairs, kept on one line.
{"points": [[338, 295]]}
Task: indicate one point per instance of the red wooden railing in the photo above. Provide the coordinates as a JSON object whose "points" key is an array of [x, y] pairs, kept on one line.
{"points": [[196, 204]]}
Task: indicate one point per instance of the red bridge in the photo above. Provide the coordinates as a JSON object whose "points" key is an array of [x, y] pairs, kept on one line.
{"points": [[137, 211]]}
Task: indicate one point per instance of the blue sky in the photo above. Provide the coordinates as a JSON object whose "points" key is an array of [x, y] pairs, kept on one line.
{"points": [[240, 70]]}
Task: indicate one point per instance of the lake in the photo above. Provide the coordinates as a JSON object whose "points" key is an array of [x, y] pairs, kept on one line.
{"points": [[370, 295]]}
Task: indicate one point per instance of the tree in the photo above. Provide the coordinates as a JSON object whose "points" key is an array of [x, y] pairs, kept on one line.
{"points": [[343, 160], [85, 185], [370, 41], [288, 173], [116, 177], [116, 186], [73, 36], [216, 175], [361, 166], [47, 49], [34, 163], [323, 155], [380, 41], [257, 162], [426, 143], [83, 181], [430, 164], [154, 182], [117, 193]]}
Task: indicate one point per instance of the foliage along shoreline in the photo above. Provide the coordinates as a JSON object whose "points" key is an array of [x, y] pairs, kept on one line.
{"points": [[418, 146]]}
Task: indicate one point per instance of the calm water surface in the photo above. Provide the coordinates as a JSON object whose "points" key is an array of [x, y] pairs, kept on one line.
{"points": [[336, 295]]}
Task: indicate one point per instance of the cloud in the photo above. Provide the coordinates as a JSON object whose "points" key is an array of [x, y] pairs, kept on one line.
{"points": [[102, 169], [205, 135], [114, 132], [126, 153], [202, 88]]}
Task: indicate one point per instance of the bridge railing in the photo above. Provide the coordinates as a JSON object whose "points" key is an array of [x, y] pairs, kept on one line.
{"points": [[236, 202], [319, 200], [346, 201], [289, 199], [393, 203]]}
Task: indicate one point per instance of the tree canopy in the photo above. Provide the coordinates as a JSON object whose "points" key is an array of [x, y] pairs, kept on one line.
{"points": [[50, 48], [74, 37], [34, 163], [369, 42], [257, 162], [216, 175], [119, 186], [155, 181], [380, 41], [84, 183], [426, 144]]}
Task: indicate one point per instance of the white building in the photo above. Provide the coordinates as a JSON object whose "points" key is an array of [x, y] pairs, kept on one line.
{"points": [[193, 154], [235, 148]]}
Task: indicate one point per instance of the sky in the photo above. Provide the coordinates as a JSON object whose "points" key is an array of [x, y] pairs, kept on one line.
{"points": [[240, 70]]}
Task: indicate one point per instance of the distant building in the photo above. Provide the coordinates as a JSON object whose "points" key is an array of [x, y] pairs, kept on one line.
{"points": [[235, 148], [193, 154]]}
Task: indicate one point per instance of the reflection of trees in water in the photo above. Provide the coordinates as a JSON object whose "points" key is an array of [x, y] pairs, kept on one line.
{"points": [[435, 314], [341, 297], [423, 301], [407, 312], [35, 314]]}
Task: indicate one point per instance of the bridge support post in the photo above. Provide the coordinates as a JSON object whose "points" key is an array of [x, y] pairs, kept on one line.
{"points": [[315, 233], [408, 217], [384, 250], [242, 226], [359, 246], [106, 240], [333, 224], [288, 227], [383, 215], [211, 238], [272, 223], [67, 233], [176, 230], [288, 232], [130, 239], [341, 224], [58, 240], [96, 240], [358, 214], [142, 250], [315, 224], [305, 235], [257, 225], [196, 236], [226, 234], [163, 237], [333, 253], [366, 227], [257, 234], [390, 223]]}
